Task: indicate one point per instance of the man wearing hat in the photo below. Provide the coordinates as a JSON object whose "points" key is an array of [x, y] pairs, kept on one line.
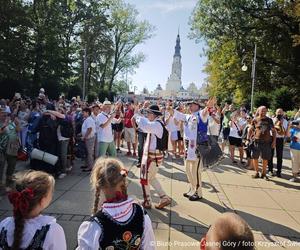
{"points": [[193, 162], [152, 157], [105, 134]]}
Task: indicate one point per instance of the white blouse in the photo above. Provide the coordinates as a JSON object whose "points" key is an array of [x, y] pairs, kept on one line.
{"points": [[55, 238], [89, 231]]}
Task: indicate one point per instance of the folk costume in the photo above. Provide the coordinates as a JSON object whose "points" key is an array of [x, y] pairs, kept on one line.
{"points": [[152, 158], [194, 124], [118, 225], [41, 232]]}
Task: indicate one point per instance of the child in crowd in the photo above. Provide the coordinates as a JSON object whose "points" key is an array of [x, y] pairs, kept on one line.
{"points": [[28, 229], [117, 222]]}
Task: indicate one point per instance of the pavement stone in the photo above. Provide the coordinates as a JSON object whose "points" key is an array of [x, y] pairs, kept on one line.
{"points": [[272, 208]]}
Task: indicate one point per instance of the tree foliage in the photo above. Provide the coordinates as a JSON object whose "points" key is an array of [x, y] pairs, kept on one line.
{"points": [[232, 27], [42, 43]]}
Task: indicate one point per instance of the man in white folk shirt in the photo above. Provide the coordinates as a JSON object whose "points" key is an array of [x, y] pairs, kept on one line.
{"points": [[152, 156], [193, 162], [105, 133]]}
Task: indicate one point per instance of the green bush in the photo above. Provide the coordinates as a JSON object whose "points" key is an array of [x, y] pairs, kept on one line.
{"points": [[262, 99], [283, 98]]}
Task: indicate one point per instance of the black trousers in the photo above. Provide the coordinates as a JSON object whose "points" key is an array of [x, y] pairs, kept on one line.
{"points": [[141, 139], [279, 152]]}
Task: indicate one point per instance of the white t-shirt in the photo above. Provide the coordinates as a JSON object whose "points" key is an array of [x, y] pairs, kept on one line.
{"points": [[104, 134], [89, 232], [171, 124], [234, 129], [88, 123], [213, 127], [55, 237]]}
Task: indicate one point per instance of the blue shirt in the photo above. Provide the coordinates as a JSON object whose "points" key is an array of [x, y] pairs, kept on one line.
{"points": [[295, 138]]}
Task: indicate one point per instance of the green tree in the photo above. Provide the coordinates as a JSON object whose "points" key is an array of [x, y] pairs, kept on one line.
{"points": [[283, 98], [272, 25], [262, 99], [127, 32]]}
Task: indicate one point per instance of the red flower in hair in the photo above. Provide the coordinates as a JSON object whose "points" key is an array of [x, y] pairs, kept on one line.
{"points": [[20, 200]]}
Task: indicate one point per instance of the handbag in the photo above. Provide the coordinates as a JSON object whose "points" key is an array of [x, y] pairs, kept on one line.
{"points": [[23, 154], [240, 133]]}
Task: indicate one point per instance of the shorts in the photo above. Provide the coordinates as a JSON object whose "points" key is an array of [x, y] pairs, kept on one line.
{"points": [[129, 135], [233, 141], [179, 136], [174, 136], [118, 127], [262, 149], [225, 132]]}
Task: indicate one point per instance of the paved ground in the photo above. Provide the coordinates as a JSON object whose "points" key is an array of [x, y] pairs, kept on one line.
{"points": [[271, 208]]}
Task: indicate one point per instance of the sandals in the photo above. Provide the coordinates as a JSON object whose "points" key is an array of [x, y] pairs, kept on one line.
{"points": [[147, 204], [165, 201]]}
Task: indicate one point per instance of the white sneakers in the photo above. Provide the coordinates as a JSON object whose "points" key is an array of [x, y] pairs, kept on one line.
{"points": [[62, 175]]}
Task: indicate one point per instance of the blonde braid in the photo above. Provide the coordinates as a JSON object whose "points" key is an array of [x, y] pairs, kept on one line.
{"points": [[96, 200]]}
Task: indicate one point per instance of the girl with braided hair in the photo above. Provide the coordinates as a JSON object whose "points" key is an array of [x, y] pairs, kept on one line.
{"points": [[117, 222], [28, 229]]}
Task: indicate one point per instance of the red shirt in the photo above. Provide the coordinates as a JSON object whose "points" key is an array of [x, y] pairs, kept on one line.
{"points": [[127, 118]]}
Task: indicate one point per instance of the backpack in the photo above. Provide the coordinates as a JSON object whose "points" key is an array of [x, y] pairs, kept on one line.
{"points": [[33, 122], [48, 129], [66, 128], [162, 143]]}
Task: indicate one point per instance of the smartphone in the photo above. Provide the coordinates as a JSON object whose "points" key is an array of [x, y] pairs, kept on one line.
{"points": [[18, 95]]}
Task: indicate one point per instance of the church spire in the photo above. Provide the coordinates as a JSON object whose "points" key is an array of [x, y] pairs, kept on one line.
{"points": [[177, 47]]}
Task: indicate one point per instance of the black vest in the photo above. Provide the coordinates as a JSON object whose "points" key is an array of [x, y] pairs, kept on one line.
{"points": [[36, 243], [121, 235]]}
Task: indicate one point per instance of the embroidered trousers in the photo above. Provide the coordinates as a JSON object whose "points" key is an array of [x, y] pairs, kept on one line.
{"points": [[153, 181], [193, 172]]}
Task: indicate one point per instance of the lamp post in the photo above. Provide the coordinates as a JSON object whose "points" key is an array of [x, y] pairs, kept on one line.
{"points": [[93, 65], [84, 74], [253, 77], [245, 68]]}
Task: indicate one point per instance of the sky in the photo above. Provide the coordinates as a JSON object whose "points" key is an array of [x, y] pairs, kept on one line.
{"points": [[167, 16]]}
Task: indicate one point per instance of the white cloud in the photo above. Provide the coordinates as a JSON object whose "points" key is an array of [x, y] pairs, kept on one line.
{"points": [[167, 6]]}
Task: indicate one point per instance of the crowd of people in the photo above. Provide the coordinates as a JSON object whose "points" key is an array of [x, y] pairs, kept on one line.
{"points": [[196, 132]]}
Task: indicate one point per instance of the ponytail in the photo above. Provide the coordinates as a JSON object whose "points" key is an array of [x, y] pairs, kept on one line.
{"points": [[30, 189]]}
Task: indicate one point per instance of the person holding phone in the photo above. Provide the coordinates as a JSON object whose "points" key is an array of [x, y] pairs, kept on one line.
{"points": [[12, 128]]}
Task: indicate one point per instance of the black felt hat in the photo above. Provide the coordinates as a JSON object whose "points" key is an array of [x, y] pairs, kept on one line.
{"points": [[154, 109]]}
